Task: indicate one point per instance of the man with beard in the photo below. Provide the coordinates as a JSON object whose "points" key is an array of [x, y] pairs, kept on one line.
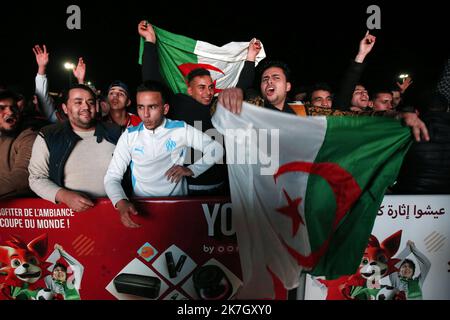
{"points": [[16, 141], [69, 160]]}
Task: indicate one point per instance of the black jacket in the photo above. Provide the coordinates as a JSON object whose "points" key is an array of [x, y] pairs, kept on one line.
{"points": [[352, 76], [194, 113], [426, 168], [61, 140]]}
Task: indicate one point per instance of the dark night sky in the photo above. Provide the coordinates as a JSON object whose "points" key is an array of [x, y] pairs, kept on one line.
{"points": [[316, 38]]}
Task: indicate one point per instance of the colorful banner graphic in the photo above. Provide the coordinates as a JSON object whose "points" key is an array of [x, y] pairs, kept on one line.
{"points": [[184, 249], [408, 256]]}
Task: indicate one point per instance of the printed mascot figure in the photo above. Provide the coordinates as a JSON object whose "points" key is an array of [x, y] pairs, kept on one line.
{"points": [[376, 263], [23, 268]]}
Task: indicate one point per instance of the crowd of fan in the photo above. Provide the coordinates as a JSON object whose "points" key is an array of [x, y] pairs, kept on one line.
{"points": [[48, 148]]}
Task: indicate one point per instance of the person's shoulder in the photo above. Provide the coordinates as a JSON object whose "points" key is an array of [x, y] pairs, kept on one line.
{"points": [[23, 139], [134, 129], [110, 127], [33, 122], [28, 133], [182, 100], [255, 100], [175, 124], [320, 111], [111, 132], [134, 119], [53, 128], [179, 97]]}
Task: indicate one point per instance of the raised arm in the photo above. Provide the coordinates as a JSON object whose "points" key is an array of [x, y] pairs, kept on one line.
{"points": [[365, 46], [46, 102], [42, 58], [79, 72], [353, 74], [404, 85], [424, 263], [150, 62], [77, 267], [247, 74]]}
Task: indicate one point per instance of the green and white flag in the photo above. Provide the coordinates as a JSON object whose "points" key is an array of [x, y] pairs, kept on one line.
{"points": [[178, 55], [305, 190]]}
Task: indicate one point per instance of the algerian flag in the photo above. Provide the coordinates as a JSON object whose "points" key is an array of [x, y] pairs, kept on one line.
{"points": [[178, 55], [305, 190]]}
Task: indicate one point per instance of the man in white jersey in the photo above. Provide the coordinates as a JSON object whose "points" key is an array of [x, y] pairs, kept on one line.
{"points": [[155, 151]]}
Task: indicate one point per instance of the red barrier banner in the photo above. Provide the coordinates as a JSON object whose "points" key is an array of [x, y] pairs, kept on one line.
{"points": [[185, 249]]}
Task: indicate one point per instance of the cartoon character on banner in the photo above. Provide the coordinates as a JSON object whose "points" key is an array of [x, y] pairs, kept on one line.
{"points": [[22, 268], [376, 263]]}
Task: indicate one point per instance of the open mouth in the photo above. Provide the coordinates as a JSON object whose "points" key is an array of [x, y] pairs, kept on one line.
{"points": [[368, 274], [11, 120], [270, 91], [29, 275]]}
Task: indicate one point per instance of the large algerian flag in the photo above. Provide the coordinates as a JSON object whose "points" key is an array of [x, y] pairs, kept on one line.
{"points": [[178, 55], [305, 190]]}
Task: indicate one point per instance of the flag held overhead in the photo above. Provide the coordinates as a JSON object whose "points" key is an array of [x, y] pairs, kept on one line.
{"points": [[178, 55]]}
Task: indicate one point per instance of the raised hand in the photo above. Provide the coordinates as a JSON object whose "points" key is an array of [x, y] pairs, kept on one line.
{"points": [[146, 31], [253, 49], [365, 46], [42, 58], [79, 71], [406, 83]]}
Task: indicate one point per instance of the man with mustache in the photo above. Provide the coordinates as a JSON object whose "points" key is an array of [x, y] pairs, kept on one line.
{"points": [[16, 141], [69, 160]]}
